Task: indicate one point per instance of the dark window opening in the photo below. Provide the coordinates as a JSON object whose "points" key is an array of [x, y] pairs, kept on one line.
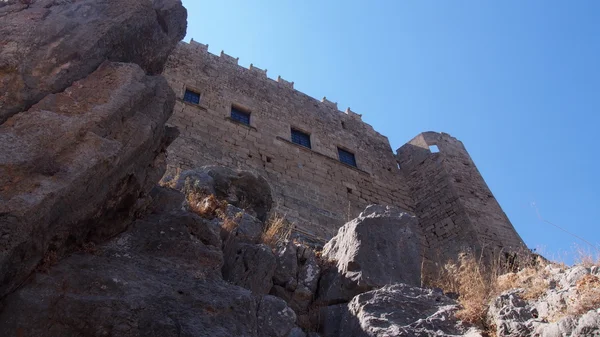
{"points": [[240, 116], [343, 125], [434, 149], [301, 138], [349, 190], [269, 159], [347, 157], [192, 97]]}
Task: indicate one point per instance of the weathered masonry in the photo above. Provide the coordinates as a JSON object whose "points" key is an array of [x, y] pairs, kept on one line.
{"points": [[456, 209], [325, 166]]}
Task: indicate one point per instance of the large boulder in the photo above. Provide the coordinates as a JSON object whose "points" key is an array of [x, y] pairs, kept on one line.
{"points": [[379, 247], [243, 189], [77, 166], [402, 310], [250, 266], [161, 277], [47, 44]]}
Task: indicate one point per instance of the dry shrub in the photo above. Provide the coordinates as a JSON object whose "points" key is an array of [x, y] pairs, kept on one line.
{"points": [[586, 257], [588, 295], [170, 178], [533, 280], [230, 224], [205, 206], [476, 283], [276, 231]]}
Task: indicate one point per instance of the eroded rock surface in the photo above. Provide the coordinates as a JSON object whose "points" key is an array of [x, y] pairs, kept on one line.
{"points": [[568, 305], [402, 310], [379, 247], [162, 277], [242, 189], [78, 165], [48, 44]]}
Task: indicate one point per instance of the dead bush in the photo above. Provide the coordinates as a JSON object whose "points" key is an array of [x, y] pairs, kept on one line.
{"points": [[276, 231], [588, 295]]}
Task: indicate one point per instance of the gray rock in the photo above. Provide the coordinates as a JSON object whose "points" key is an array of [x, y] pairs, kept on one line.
{"points": [[242, 189], [248, 228], [588, 324], [275, 318], [287, 265], [330, 319], [402, 310], [47, 45], [108, 150], [250, 266], [297, 332], [379, 247], [308, 268], [155, 279], [573, 275], [510, 314]]}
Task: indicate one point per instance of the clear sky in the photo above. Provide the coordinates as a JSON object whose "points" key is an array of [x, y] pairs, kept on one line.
{"points": [[517, 81]]}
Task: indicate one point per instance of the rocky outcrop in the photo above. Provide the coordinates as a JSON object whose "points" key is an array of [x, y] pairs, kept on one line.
{"points": [[239, 188], [47, 44], [84, 137], [379, 247], [162, 277], [398, 310], [567, 303], [78, 164]]}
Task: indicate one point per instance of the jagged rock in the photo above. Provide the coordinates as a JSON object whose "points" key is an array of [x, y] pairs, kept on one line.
{"points": [[275, 318], [47, 44], [296, 332], [402, 310], [79, 164], [379, 247], [287, 265], [247, 228], [511, 314], [250, 266], [155, 279], [553, 312], [242, 189], [308, 268]]}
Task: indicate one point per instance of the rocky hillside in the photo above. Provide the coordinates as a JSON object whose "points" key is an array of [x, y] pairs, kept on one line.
{"points": [[90, 245]]}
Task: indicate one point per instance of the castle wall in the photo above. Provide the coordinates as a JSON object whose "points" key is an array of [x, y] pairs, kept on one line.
{"points": [[311, 186], [456, 209]]}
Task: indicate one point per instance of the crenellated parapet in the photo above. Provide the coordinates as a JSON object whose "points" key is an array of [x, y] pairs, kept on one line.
{"points": [[262, 73]]}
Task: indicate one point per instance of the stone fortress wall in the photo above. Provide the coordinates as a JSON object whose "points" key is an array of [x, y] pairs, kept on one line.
{"points": [[456, 209], [312, 187]]}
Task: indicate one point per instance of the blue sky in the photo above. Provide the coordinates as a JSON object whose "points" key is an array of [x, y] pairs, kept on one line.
{"points": [[517, 81]]}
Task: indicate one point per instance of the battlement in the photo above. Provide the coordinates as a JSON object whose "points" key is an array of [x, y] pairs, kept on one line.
{"points": [[200, 48]]}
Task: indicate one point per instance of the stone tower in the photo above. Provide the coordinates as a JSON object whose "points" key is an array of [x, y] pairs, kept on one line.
{"points": [[456, 209]]}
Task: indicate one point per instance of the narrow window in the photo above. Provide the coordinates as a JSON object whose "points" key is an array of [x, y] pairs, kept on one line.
{"points": [[347, 157], [301, 138], [192, 97], [240, 116], [434, 149]]}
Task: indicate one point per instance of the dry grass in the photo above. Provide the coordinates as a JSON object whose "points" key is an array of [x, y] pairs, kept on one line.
{"points": [[533, 280], [588, 295], [206, 206], [586, 257], [170, 180], [276, 230], [477, 280]]}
